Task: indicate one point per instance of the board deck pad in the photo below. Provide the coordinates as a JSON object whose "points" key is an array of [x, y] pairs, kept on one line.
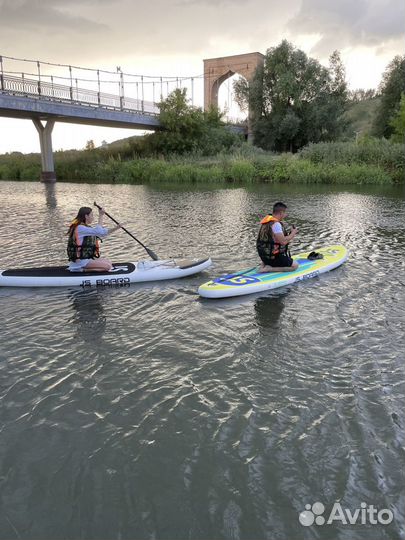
{"points": [[62, 271], [251, 280]]}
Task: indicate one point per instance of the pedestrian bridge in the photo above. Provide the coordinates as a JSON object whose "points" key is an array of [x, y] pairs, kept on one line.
{"points": [[64, 93], [43, 98], [29, 98]]}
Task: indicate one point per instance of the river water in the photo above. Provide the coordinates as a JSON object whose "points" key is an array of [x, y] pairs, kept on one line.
{"points": [[149, 413]]}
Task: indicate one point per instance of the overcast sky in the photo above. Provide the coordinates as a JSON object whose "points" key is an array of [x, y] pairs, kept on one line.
{"points": [[172, 37]]}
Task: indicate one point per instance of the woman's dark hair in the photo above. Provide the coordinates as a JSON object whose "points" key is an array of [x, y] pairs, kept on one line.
{"points": [[80, 218]]}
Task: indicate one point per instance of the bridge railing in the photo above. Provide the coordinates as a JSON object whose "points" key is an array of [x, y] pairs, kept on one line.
{"points": [[22, 86]]}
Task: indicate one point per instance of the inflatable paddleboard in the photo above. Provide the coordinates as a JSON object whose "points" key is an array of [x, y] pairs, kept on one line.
{"points": [[251, 281], [123, 274]]}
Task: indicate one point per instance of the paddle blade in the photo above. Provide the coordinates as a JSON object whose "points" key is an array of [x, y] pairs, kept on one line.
{"points": [[152, 254]]}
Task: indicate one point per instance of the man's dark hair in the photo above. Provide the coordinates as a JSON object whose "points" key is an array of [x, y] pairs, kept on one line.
{"points": [[278, 207]]}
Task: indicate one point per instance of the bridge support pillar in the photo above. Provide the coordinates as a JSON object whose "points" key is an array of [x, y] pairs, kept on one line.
{"points": [[45, 139]]}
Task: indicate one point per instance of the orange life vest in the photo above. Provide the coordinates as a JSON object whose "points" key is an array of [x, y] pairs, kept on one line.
{"points": [[265, 239]]}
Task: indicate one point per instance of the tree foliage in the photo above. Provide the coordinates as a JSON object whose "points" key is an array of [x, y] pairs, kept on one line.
{"points": [[355, 96], [90, 145], [398, 123], [294, 100], [391, 88], [186, 129]]}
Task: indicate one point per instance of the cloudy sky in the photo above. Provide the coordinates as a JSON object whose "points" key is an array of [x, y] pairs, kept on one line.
{"points": [[172, 37]]}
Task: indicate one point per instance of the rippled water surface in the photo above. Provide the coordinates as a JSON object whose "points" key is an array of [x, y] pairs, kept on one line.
{"points": [[148, 413]]}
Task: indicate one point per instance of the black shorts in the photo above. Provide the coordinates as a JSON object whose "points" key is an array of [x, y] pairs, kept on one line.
{"points": [[279, 261]]}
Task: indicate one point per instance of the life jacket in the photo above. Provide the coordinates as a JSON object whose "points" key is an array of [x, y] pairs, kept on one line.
{"points": [[88, 249], [265, 240]]}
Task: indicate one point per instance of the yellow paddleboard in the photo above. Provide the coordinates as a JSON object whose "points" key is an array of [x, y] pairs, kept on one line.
{"points": [[251, 281]]}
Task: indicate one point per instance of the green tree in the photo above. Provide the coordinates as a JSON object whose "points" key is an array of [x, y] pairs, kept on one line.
{"points": [[355, 96], [398, 123], [90, 145], [294, 100], [334, 101], [182, 124], [241, 93], [391, 88], [186, 129], [213, 117]]}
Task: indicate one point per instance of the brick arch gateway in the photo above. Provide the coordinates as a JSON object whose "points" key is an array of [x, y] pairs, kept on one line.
{"points": [[217, 70]]}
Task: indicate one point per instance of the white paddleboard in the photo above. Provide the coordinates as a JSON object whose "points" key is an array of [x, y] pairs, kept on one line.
{"points": [[123, 274]]}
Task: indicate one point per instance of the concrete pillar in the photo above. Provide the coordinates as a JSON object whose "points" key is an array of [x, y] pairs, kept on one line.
{"points": [[45, 140]]}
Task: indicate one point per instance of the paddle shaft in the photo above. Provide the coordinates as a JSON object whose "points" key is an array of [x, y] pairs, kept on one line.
{"points": [[150, 252]]}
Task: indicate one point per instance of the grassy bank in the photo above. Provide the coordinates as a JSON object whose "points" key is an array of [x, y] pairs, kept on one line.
{"points": [[367, 162]]}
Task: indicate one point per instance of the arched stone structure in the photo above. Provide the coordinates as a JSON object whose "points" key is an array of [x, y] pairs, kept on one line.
{"points": [[217, 70]]}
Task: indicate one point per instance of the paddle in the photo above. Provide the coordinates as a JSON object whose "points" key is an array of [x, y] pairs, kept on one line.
{"points": [[151, 254]]}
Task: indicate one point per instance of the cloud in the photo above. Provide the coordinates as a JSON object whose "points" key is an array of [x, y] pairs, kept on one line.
{"points": [[350, 23], [72, 31], [144, 34], [50, 15]]}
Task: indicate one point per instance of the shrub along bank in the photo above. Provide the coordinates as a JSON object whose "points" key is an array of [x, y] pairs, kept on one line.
{"points": [[370, 161]]}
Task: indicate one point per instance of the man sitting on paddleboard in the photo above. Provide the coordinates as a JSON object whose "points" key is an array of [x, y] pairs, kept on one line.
{"points": [[83, 243], [272, 242]]}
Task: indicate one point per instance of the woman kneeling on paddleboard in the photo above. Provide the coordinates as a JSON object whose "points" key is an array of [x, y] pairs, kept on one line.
{"points": [[83, 243], [272, 242]]}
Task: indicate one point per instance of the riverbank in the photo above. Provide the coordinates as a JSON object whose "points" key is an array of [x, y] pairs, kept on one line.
{"points": [[367, 162]]}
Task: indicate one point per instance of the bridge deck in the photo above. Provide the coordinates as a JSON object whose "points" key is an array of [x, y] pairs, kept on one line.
{"points": [[25, 98]]}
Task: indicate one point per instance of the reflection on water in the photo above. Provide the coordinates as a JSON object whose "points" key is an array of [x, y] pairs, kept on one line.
{"points": [[268, 311], [50, 195], [146, 412], [89, 319]]}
